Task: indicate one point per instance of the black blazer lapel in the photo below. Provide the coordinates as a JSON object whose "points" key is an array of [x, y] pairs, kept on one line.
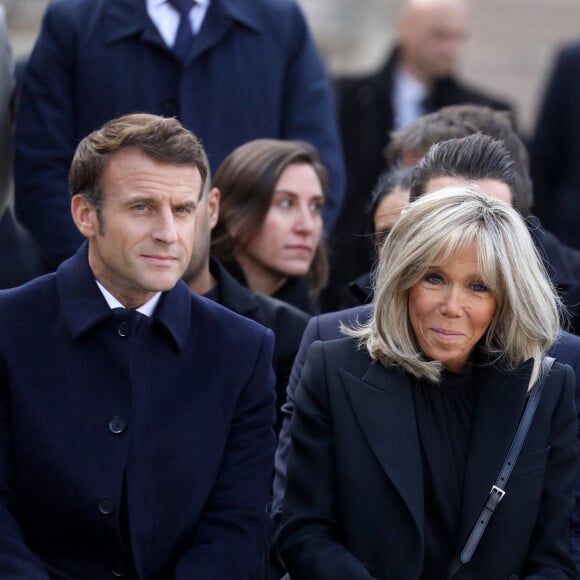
{"points": [[383, 405], [500, 401]]}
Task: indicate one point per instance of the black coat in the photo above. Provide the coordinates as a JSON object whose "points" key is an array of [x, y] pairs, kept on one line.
{"points": [[287, 323], [354, 503], [366, 120], [555, 149], [563, 266]]}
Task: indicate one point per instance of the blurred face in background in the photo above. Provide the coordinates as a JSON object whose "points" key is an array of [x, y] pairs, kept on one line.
{"points": [[387, 214], [432, 34], [287, 240], [493, 187]]}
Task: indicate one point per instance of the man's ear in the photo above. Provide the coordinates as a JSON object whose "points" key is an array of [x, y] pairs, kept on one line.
{"points": [[84, 214], [213, 205]]}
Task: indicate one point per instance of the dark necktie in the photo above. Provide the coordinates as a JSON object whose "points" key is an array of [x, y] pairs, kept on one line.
{"points": [[184, 36]]}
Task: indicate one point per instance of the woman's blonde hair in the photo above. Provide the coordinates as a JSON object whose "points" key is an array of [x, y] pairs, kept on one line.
{"points": [[430, 232]]}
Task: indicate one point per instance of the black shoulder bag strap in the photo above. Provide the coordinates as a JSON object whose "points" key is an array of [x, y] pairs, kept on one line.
{"points": [[498, 489]]}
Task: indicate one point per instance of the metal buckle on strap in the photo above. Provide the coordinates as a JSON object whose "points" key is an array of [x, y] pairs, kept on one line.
{"points": [[500, 492]]}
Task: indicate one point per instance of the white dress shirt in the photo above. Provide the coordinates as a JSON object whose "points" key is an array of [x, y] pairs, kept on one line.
{"points": [[408, 97], [166, 18], [146, 309]]}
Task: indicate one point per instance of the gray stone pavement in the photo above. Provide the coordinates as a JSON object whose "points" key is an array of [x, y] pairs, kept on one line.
{"points": [[509, 52]]}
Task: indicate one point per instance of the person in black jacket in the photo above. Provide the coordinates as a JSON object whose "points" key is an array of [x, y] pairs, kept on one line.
{"points": [[399, 430], [555, 148], [269, 231], [206, 276], [418, 77]]}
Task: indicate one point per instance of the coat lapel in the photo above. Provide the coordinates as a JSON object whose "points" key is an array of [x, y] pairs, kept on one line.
{"points": [[383, 405], [499, 405], [215, 25]]}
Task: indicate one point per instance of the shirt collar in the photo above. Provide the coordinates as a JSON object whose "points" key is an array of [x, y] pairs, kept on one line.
{"points": [[147, 309]]}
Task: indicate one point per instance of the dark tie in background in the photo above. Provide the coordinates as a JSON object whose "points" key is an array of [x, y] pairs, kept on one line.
{"points": [[184, 35]]}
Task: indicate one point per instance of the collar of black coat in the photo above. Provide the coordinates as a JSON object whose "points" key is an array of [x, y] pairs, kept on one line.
{"points": [[84, 305], [381, 399]]}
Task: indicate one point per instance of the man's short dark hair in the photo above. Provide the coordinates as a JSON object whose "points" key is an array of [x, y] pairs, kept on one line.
{"points": [[163, 139], [461, 121], [471, 158]]}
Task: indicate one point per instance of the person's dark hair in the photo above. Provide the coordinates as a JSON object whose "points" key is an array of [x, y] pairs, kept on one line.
{"points": [[246, 180], [162, 139], [410, 143], [471, 158], [456, 121], [387, 182]]}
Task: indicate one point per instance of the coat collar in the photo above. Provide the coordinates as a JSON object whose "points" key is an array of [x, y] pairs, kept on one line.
{"points": [[126, 18], [383, 405], [382, 402], [84, 305], [234, 295]]}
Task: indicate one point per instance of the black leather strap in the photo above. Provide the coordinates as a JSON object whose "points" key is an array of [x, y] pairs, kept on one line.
{"points": [[497, 491]]}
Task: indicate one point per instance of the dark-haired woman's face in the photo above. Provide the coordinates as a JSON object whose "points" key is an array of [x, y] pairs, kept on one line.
{"points": [[285, 244]]}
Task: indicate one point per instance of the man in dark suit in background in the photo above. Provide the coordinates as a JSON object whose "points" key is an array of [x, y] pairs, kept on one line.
{"points": [[250, 70], [135, 417], [206, 276], [418, 77]]}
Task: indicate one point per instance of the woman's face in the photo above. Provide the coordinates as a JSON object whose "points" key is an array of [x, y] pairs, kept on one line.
{"points": [[450, 310], [285, 244]]}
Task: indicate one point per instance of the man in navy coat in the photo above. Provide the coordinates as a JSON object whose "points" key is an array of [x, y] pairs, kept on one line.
{"points": [[136, 418], [252, 71]]}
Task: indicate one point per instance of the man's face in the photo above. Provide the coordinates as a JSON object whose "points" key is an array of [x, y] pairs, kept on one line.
{"points": [[197, 274], [432, 35], [148, 225], [388, 213], [493, 187]]}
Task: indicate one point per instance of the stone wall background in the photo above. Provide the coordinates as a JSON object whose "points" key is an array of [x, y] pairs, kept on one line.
{"points": [[509, 52]]}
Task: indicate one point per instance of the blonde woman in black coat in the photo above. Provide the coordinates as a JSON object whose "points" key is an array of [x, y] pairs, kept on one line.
{"points": [[400, 431]]}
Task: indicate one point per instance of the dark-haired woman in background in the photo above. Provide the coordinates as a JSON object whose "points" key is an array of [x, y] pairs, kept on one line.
{"points": [[269, 232]]}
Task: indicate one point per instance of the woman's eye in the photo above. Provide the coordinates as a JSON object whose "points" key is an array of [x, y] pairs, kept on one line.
{"points": [[433, 278], [284, 203], [479, 287], [315, 207]]}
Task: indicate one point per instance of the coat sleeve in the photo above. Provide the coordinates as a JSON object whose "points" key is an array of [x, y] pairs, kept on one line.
{"points": [[45, 138], [16, 558], [231, 536], [552, 142], [549, 552], [309, 540], [310, 335], [310, 112], [576, 513]]}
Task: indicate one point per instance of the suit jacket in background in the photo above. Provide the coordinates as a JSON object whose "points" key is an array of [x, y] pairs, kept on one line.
{"points": [[131, 447], [366, 120], [354, 504], [253, 72]]}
